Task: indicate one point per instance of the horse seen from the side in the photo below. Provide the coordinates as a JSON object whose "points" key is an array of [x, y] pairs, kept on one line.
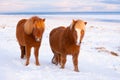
{"points": [[67, 41], [29, 34]]}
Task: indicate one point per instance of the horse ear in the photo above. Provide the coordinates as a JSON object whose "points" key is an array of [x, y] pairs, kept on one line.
{"points": [[72, 25], [73, 21], [44, 19], [85, 23]]}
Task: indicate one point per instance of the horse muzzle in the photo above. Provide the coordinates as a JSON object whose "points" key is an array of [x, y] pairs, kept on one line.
{"points": [[38, 39], [78, 44]]}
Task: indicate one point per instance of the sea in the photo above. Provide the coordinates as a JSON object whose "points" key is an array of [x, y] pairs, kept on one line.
{"points": [[60, 13], [95, 16]]}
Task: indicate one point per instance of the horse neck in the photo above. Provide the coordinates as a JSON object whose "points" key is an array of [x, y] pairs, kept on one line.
{"points": [[68, 36]]}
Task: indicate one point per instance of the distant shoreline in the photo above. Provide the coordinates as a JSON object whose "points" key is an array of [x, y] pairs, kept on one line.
{"points": [[59, 13]]}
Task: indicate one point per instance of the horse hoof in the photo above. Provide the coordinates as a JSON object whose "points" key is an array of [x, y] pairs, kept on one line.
{"points": [[37, 64], [76, 70], [62, 67], [54, 62], [26, 64], [22, 57]]}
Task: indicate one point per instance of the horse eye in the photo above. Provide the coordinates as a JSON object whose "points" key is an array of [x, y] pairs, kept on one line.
{"points": [[75, 32]]}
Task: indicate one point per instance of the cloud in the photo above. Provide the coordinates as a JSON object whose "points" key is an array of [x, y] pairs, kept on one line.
{"points": [[6, 6], [111, 1], [87, 5], [58, 5], [111, 5]]}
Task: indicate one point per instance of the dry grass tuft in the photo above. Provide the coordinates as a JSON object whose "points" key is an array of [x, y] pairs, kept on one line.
{"points": [[103, 49]]}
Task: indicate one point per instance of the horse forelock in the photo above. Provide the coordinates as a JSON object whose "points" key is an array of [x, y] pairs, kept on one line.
{"points": [[78, 35], [37, 33], [38, 29], [39, 24]]}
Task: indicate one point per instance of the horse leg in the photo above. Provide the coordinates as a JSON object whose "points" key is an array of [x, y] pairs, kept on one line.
{"points": [[63, 61], [22, 51], [59, 59], [36, 53], [28, 49], [55, 59], [75, 62]]}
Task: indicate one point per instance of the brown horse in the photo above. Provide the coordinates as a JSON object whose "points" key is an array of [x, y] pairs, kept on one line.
{"points": [[29, 34], [66, 41]]}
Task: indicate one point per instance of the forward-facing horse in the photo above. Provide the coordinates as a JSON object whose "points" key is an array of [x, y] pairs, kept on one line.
{"points": [[66, 41], [29, 34]]}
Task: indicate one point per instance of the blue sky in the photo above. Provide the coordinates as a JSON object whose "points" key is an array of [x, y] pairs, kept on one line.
{"points": [[58, 5]]}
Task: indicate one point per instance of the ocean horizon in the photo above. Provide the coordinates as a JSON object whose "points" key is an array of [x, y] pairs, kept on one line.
{"points": [[93, 16], [59, 13]]}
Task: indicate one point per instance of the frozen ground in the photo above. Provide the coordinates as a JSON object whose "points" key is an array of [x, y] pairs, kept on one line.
{"points": [[96, 60]]}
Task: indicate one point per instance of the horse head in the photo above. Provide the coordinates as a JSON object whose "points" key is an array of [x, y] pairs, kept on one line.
{"points": [[35, 26], [77, 28], [38, 29]]}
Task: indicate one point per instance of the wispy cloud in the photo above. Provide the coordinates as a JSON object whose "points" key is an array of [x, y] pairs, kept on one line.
{"points": [[59, 5], [111, 1], [7, 5]]}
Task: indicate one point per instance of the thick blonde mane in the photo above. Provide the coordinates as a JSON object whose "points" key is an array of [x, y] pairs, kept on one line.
{"points": [[80, 24], [31, 23]]}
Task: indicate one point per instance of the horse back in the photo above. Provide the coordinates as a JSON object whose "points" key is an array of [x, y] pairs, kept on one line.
{"points": [[56, 31], [56, 37]]}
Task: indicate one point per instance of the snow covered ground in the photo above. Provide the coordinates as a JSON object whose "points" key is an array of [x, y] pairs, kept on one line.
{"points": [[97, 60]]}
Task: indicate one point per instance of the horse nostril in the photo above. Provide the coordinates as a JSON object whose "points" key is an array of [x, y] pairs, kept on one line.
{"points": [[38, 39]]}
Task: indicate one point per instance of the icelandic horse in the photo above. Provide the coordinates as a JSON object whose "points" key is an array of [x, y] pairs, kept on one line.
{"points": [[29, 34], [66, 41]]}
